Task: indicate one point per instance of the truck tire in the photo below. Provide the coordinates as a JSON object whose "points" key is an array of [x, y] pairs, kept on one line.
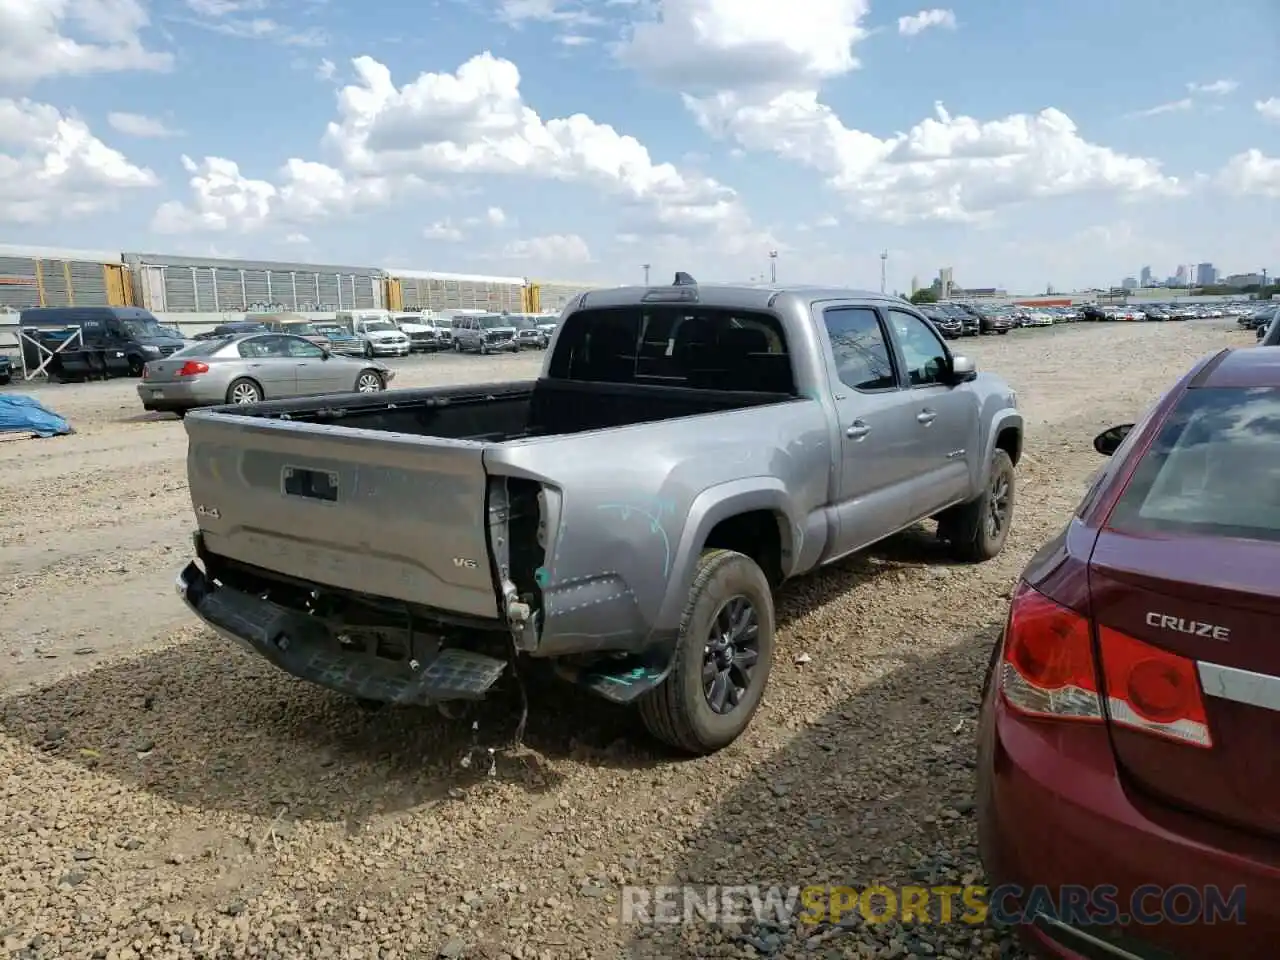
{"points": [[977, 531], [730, 598]]}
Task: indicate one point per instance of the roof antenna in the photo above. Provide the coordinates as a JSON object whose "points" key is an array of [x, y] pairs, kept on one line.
{"points": [[684, 280]]}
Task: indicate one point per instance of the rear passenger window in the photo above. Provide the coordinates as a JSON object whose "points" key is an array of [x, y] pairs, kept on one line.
{"points": [[260, 347], [927, 359], [860, 348]]}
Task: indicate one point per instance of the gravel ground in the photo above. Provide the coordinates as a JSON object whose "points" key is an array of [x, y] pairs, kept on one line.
{"points": [[164, 795]]}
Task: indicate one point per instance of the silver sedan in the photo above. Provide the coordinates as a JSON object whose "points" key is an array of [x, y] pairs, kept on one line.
{"points": [[253, 367]]}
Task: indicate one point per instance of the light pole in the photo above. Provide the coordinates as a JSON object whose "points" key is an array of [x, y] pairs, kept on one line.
{"points": [[645, 268], [773, 266], [884, 269]]}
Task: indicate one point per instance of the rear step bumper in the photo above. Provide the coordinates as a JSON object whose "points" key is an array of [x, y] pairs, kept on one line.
{"points": [[307, 648]]}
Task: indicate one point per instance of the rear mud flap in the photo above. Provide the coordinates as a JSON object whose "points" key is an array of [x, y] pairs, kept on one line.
{"points": [[623, 681], [306, 648]]}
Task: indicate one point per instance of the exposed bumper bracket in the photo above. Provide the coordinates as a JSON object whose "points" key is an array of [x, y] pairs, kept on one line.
{"points": [[306, 647]]}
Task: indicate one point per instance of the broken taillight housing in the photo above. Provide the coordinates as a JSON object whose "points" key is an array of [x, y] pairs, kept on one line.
{"points": [[193, 368], [1049, 671]]}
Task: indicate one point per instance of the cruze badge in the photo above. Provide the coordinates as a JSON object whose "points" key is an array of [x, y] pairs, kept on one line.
{"points": [[1194, 628]]}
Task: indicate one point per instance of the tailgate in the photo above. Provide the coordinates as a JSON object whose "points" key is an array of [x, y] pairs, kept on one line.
{"points": [[385, 514]]}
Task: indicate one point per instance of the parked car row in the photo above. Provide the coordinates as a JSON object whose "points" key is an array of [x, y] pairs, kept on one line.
{"points": [[954, 319], [1260, 318]]}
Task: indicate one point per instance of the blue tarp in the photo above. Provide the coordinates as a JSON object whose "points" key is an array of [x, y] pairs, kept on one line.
{"points": [[26, 415]]}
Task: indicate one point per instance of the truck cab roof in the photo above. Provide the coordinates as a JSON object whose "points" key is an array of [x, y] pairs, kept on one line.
{"points": [[742, 296]]}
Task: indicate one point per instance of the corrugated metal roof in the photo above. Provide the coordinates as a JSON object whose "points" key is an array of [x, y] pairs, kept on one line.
{"points": [[461, 277], [168, 260], [59, 253]]}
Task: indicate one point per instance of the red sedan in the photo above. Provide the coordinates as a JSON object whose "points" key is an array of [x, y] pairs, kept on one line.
{"points": [[1129, 744]]}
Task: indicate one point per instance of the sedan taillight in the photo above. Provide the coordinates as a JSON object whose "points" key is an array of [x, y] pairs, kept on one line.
{"points": [[1049, 672], [193, 368]]}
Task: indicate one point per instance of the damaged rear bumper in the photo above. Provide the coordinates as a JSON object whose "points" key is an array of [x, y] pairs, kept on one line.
{"points": [[311, 650]]}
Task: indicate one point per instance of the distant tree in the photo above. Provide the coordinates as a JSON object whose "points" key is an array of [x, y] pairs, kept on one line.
{"points": [[924, 295]]}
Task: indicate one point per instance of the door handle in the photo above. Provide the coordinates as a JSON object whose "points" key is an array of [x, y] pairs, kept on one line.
{"points": [[926, 417], [857, 430]]}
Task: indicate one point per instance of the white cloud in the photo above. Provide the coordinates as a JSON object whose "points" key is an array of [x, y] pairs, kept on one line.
{"points": [[1270, 108], [443, 230], [233, 18], [326, 70], [40, 39], [951, 168], [475, 121], [1219, 88], [298, 239], [222, 8], [138, 125], [1173, 106], [225, 200], [713, 45], [573, 40], [1252, 173], [554, 249], [920, 22], [518, 12], [751, 83], [52, 166], [446, 229]]}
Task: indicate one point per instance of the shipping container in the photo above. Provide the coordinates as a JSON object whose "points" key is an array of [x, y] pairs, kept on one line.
{"points": [[551, 295], [174, 284], [429, 290], [50, 277]]}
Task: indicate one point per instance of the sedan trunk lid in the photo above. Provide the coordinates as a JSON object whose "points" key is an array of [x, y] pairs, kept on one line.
{"points": [[1186, 563]]}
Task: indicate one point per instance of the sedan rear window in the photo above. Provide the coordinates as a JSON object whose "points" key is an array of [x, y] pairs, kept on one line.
{"points": [[1213, 470], [202, 348]]}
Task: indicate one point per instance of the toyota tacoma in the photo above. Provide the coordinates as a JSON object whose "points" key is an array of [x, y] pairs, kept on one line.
{"points": [[626, 517]]}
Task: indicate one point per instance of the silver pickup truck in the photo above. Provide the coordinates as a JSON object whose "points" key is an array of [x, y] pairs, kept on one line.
{"points": [[627, 516]]}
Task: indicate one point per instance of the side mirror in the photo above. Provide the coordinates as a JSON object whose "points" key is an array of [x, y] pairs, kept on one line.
{"points": [[1109, 440], [963, 370]]}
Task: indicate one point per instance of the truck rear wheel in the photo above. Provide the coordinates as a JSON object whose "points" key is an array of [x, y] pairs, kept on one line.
{"points": [[977, 531], [722, 660]]}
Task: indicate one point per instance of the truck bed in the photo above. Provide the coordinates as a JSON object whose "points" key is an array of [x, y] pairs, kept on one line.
{"points": [[393, 495], [497, 412]]}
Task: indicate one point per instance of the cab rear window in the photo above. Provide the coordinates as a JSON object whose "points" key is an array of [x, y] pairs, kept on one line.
{"points": [[1214, 469], [705, 348]]}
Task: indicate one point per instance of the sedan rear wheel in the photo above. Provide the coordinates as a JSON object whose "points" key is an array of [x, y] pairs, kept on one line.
{"points": [[368, 382]]}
